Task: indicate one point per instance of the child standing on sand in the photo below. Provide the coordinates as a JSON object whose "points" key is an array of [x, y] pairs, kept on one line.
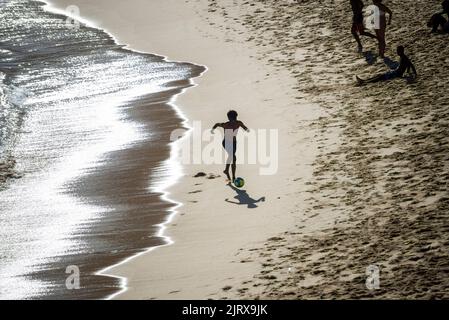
{"points": [[230, 140]]}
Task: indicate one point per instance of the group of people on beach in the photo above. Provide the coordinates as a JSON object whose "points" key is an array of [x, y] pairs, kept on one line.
{"points": [[437, 22], [358, 28]]}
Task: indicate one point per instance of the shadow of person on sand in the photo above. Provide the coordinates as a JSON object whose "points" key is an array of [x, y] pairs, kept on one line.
{"points": [[391, 63], [370, 57], [243, 198]]}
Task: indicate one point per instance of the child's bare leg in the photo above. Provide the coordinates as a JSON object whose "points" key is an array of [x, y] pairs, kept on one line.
{"points": [[228, 160], [226, 172], [234, 167], [356, 37], [377, 78]]}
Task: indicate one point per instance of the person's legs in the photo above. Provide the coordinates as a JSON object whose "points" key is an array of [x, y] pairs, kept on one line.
{"points": [[234, 167], [375, 79], [362, 31], [228, 161], [380, 33], [381, 77], [234, 159], [226, 172], [367, 34], [356, 36]]}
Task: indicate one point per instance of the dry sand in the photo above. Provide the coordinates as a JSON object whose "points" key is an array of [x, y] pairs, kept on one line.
{"points": [[385, 180], [363, 171]]}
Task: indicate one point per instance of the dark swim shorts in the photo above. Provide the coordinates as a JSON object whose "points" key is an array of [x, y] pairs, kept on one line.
{"points": [[358, 18]]}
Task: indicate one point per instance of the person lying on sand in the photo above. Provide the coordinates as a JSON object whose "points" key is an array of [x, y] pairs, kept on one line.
{"points": [[230, 141], [405, 65], [380, 33], [357, 23]]}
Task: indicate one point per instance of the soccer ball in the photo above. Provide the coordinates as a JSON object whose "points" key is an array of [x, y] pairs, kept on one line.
{"points": [[239, 182]]}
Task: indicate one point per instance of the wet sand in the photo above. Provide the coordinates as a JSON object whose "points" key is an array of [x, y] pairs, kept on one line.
{"points": [[132, 212]]}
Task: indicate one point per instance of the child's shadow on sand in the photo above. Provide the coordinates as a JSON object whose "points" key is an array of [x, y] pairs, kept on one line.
{"points": [[243, 198]]}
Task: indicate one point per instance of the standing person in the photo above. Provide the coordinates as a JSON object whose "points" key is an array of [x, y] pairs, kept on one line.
{"points": [[405, 65], [357, 23], [380, 33], [230, 140]]}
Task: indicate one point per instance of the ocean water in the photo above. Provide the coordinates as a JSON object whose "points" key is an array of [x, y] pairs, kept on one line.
{"points": [[65, 88]]}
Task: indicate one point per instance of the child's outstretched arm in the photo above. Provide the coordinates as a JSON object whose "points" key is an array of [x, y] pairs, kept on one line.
{"points": [[216, 126], [243, 126]]}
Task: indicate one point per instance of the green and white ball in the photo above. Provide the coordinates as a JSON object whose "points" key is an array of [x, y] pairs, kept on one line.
{"points": [[239, 182]]}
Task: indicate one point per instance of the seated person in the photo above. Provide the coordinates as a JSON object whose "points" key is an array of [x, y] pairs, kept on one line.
{"points": [[438, 20], [405, 65]]}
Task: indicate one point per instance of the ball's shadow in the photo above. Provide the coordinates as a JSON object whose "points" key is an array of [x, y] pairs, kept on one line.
{"points": [[243, 198]]}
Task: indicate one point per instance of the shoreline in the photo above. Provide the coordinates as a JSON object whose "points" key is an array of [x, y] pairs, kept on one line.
{"points": [[164, 196], [96, 187], [94, 132]]}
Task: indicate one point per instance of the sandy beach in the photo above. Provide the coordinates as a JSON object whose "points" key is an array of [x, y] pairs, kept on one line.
{"points": [[362, 178], [193, 266]]}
